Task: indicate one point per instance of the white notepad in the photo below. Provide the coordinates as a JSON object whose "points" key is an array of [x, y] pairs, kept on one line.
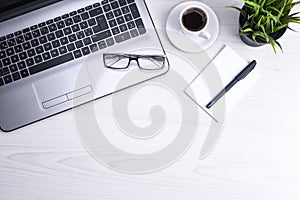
{"points": [[223, 69]]}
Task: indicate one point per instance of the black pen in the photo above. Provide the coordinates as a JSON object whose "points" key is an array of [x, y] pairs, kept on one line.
{"points": [[239, 77]]}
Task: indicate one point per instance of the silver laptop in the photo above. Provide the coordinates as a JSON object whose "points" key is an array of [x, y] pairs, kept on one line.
{"points": [[51, 53]]}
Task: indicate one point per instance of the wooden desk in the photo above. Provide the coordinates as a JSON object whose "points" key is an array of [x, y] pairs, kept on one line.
{"points": [[257, 158]]}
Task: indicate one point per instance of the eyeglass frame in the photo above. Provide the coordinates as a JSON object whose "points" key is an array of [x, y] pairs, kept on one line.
{"points": [[135, 57]]}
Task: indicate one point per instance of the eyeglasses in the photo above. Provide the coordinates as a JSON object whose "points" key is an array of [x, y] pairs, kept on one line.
{"points": [[144, 62]]}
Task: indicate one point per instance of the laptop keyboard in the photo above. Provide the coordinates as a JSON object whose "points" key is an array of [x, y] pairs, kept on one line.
{"points": [[68, 37]]}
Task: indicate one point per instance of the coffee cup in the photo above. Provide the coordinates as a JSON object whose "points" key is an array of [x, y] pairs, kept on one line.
{"points": [[194, 21]]}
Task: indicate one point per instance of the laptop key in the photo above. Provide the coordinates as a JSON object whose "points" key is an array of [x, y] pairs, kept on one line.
{"points": [[77, 19], [42, 40], [4, 71], [67, 31], [116, 31], [10, 51], [44, 30], [134, 33], [75, 28], [128, 17], [51, 63], [46, 56], [2, 54], [89, 7], [7, 79], [83, 25], [14, 59], [51, 21], [88, 32], [72, 38], [39, 49], [1, 81], [31, 52], [122, 2], [59, 34], [34, 42], [52, 27], [36, 33], [55, 44], [96, 12], [28, 36], [20, 39], [65, 16], [117, 12], [60, 24], [13, 68], [21, 65], [96, 29], [96, 5], [106, 7], [102, 22], [29, 62], [51, 37], [86, 51], [94, 48], [54, 53], [110, 42], [38, 59], [23, 55], [109, 15], [123, 28], [56, 19], [63, 41], [71, 47], [80, 35], [24, 73], [114, 5], [130, 1], [122, 37], [16, 76], [125, 10], [84, 16], [104, 2], [81, 10], [3, 45], [11, 42], [79, 44], [26, 46], [134, 11], [69, 22], [47, 47], [63, 50], [87, 41], [6, 62], [77, 54], [102, 45], [101, 36]]}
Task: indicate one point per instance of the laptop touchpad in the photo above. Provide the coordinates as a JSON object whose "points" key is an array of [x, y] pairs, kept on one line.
{"points": [[61, 88]]}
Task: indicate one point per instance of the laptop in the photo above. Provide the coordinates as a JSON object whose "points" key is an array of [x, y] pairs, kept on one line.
{"points": [[51, 53]]}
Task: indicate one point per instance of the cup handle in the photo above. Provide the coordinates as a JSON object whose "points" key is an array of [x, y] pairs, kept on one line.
{"points": [[205, 35]]}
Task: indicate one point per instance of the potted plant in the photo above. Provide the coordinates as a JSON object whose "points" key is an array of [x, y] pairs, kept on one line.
{"points": [[265, 21]]}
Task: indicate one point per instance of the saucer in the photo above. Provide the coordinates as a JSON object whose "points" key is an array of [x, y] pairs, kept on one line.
{"points": [[187, 43]]}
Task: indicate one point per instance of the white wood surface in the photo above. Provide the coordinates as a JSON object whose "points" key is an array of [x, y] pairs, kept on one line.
{"points": [[257, 158]]}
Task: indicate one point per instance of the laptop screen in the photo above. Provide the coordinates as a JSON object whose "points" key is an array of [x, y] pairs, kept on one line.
{"points": [[12, 8]]}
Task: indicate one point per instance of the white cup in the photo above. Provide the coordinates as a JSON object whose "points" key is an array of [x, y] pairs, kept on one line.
{"points": [[194, 21]]}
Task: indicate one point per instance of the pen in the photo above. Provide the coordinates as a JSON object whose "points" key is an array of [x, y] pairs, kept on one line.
{"points": [[239, 77]]}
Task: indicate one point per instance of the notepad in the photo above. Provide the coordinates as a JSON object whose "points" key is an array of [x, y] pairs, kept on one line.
{"points": [[223, 69]]}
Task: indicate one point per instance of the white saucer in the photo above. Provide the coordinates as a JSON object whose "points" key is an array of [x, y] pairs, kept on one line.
{"points": [[185, 42]]}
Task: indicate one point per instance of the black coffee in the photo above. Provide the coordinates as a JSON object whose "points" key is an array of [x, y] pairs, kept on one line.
{"points": [[194, 19]]}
